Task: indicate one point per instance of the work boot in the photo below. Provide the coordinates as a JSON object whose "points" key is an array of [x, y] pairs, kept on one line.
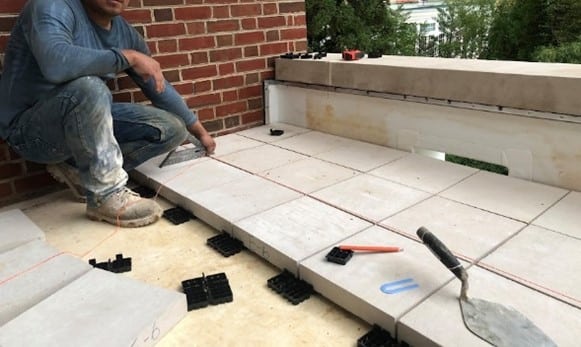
{"points": [[127, 209], [65, 173]]}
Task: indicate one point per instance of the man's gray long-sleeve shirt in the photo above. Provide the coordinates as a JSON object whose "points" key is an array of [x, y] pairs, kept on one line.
{"points": [[54, 42]]}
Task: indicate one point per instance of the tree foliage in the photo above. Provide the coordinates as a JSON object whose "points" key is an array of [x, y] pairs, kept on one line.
{"points": [[564, 21], [564, 28], [319, 16], [528, 30], [565, 53], [518, 29], [368, 25], [464, 25]]}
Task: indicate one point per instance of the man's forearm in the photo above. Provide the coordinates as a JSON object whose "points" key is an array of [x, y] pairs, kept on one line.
{"points": [[169, 100], [197, 129]]}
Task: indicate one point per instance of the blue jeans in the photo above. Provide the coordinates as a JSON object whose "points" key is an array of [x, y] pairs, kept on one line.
{"points": [[79, 121]]}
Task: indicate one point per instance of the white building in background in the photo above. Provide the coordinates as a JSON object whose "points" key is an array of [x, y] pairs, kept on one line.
{"points": [[423, 13]]}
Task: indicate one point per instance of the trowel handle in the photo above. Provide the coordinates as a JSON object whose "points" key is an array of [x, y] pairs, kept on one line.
{"points": [[442, 252]]}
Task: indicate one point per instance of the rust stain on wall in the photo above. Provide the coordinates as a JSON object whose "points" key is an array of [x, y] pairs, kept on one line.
{"points": [[323, 116]]}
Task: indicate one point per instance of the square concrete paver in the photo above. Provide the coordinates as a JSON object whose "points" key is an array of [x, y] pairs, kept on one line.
{"points": [[543, 259], [186, 173], [466, 230], [424, 173], [261, 158], [507, 196], [371, 197], [180, 183], [16, 229], [224, 145], [262, 133], [313, 142], [361, 156], [438, 320], [32, 272], [407, 277], [221, 206], [309, 175], [286, 234], [98, 309], [233, 143], [205, 175], [564, 217]]}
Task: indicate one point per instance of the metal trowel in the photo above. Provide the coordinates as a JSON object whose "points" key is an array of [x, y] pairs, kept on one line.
{"points": [[497, 324], [179, 155]]}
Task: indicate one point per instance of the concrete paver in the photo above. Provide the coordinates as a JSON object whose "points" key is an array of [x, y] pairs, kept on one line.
{"points": [[32, 272], [233, 143], [126, 312], [313, 142], [288, 233], [507, 196], [16, 229], [357, 286], [371, 197], [361, 156], [564, 217], [261, 158], [466, 230], [309, 175], [221, 206], [424, 173], [541, 258]]}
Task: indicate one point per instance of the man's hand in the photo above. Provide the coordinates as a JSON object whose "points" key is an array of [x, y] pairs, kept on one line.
{"points": [[198, 130], [209, 143], [146, 67]]}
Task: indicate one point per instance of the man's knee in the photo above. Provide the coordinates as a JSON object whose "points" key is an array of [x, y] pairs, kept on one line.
{"points": [[89, 91], [89, 97], [174, 131]]}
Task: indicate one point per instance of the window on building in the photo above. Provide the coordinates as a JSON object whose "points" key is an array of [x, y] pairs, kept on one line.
{"points": [[427, 27]]}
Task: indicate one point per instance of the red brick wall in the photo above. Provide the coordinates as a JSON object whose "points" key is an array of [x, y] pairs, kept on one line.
{"points": [[215, 52]]}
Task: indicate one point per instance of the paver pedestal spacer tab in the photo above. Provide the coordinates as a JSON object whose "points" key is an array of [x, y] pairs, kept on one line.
{"points": [[225, 244], [177, 215], [339, 256], [145, 192], [203, 291], [219, 290], [378, 337], [196, 293], [290, 287], [118, 265]]}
